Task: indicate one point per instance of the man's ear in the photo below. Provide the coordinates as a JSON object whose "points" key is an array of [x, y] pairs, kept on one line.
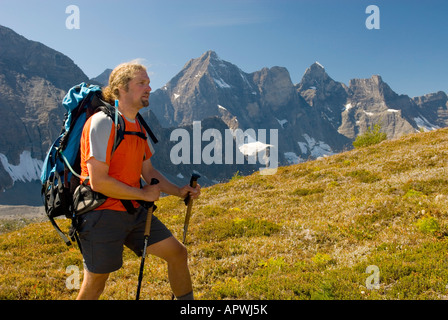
{"points": [[122, 89]]}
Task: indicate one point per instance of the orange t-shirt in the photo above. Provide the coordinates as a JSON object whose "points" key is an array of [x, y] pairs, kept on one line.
{"points": [[125, 164]]}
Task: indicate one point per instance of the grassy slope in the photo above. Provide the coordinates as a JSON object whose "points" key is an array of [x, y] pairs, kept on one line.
{"points": [[307, 232]]}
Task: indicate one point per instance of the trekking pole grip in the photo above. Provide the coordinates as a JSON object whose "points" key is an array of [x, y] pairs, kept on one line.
{"points": [[194, 180], [193, 184]]}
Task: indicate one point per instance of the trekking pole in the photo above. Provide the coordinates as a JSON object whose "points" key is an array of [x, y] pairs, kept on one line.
{"points": [[151, 209], [189, 202]]}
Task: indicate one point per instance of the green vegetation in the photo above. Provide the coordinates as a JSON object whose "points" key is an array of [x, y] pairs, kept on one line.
{"points": [[307, 232], [370, 137]]}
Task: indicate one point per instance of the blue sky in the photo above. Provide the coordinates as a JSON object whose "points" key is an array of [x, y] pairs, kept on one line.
{"points": [[409, 50]]}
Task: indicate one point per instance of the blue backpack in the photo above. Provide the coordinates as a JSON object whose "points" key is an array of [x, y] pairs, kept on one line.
{"points": [[59, 176]]}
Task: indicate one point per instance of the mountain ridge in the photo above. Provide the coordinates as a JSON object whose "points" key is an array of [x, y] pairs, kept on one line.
{"points": [[316, 117]]}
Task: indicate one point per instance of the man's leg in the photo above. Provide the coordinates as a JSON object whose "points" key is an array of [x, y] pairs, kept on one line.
{"points": [[175, 254], [92, 285]]}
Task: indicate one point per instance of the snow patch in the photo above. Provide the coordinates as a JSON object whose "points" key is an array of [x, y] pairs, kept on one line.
{"points": [[221, 83], [246, 81], [315, 148], [319, 65], [422, 122], [282, 122], [176, 96], [27, 170], [292, 158], [303, 147]]}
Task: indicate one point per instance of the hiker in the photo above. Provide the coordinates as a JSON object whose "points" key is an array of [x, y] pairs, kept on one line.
{"points": [[105, 230]]}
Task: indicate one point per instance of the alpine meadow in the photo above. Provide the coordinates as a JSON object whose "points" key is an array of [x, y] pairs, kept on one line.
{"points": [[312, 231]]}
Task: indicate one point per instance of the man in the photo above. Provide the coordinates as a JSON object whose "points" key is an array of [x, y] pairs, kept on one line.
{"points": [[105, 230]]}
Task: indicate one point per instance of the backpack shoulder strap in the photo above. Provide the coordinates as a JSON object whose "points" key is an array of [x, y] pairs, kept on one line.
{"points": [[148, 130], [110, 112]]}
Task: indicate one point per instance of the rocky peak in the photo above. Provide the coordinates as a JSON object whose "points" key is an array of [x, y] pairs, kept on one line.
{"points": [[33, 59], [438, 98], [210, 55], [434, 106], [317, 86], [371, 101], [208, 66], [102, 79], [206, 86], [275, 86], [325, 95], [313, 78], [373, 89], [33, 81]]}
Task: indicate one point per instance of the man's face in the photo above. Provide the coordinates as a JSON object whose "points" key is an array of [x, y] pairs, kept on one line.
{"points": [[139, 89]]}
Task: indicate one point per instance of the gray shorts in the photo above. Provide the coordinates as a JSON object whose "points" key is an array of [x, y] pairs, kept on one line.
{"points": [[104, 233]]}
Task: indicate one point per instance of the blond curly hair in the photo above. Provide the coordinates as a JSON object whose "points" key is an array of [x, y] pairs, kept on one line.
{"points": [[120, 77]]}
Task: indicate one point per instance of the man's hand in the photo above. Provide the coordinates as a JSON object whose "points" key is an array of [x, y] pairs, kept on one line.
{"points": [[193, 192], [151, 193]]}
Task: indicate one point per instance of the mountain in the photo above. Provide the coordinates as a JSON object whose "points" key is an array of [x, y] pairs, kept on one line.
{"points": [[323, 93], [208, 86], [267, 99], [316, 117], [33, 81], [434, 107], [372, 101], [207, 99], [102, 79]]}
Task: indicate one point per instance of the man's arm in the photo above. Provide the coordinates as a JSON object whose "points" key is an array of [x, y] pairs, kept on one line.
{"points": [[149, 172], [101, 182]]}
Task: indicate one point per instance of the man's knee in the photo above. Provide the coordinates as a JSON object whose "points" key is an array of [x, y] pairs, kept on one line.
{"points": [[182, 252], [92, 286], [170, 250], [178, 253], [97, 280]]}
